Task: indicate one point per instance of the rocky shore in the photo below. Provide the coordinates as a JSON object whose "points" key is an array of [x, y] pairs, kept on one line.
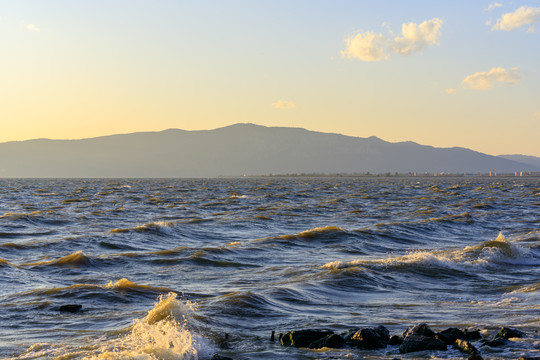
{"points": [[416, 338], [470, 342]]}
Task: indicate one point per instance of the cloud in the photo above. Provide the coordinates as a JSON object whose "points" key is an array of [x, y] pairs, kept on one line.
{"points": [[280, 104], [369, 46], [32, 27], [417, 37], [494, 6], [486, 80], [521, 17], [450, 91]]}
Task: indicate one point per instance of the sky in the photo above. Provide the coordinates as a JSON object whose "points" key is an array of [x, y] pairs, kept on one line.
{"points": [[441, 73]]}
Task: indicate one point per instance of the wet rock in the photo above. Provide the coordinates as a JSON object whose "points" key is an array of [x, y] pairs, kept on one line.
{"points": [[496, 342], [475, 357], [395, 340], [303, 338], [450, 335], [347, 335], [333, 341], [472, 335], [72, 308], [220, 357], [371, 338], [420, 329], [465, 346], [414, 343], [508, 333]]}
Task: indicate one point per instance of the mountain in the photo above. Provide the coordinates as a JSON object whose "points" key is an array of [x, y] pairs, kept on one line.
{"points": [[524, 159], [235, 150]]}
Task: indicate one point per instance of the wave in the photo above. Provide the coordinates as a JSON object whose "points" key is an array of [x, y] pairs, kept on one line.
{"points": [[527, 289], [11, 245], [315, 233], [166, 332], [12, 235], [123, 285], [489, 254], [199, 259], [158, 227], [4, 263], [77, 259]]}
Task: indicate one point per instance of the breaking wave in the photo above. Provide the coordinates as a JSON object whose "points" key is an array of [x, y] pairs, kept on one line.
{"points": [[166, 332], [488, 254]]}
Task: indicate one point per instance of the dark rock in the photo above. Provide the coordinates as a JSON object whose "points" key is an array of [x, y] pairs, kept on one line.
{"points": [[420, 329], [347, 335], [72, 308], [475, 357], [333, 341], [496, 342], [371, 338], [414, 343], [465, 347], [450, 335], [303, 338], [395, 340], [472, 334], [220, 357], [508, 333]]}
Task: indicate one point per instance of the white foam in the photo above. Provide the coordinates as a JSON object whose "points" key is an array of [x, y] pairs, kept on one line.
{"points": [[165, 333], [490, 253]]}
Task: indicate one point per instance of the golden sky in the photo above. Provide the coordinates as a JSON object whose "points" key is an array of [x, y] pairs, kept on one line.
{"points": [[445, 74]]}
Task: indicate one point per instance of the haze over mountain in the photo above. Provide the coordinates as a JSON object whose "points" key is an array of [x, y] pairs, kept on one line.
{"points": [[235, 150], [525, 159]]}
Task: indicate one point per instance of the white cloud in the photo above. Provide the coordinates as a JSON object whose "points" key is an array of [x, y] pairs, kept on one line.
{"points": [[494, 6], [280, 104], [367, 46], [32, 27], [521, 17], [486, 80], [450, 91], [370, 46], [417, 37]]}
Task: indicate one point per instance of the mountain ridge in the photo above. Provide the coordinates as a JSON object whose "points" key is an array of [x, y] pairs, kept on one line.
{"points": [[234, 150]]}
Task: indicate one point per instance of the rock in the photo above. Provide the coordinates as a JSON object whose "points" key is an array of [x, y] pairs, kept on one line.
{"points": [[371, 338], [508, 333], [220, 357], [333, 341], [450, 335], [347, 335], [465, 346], [303, 338], [496, 342], [395, 340], [420, 329], [414, 343], [72, 308], [472, 334], [475, 357]]}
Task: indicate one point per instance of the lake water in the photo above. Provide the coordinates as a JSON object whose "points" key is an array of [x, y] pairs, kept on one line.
{"points": [[189, 268]]}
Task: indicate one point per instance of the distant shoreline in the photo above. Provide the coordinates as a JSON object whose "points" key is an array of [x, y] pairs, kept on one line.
{"points": [[528, 175]]}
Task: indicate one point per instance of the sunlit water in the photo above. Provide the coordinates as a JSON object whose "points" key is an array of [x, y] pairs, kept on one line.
{"points": [[164, 269]]}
